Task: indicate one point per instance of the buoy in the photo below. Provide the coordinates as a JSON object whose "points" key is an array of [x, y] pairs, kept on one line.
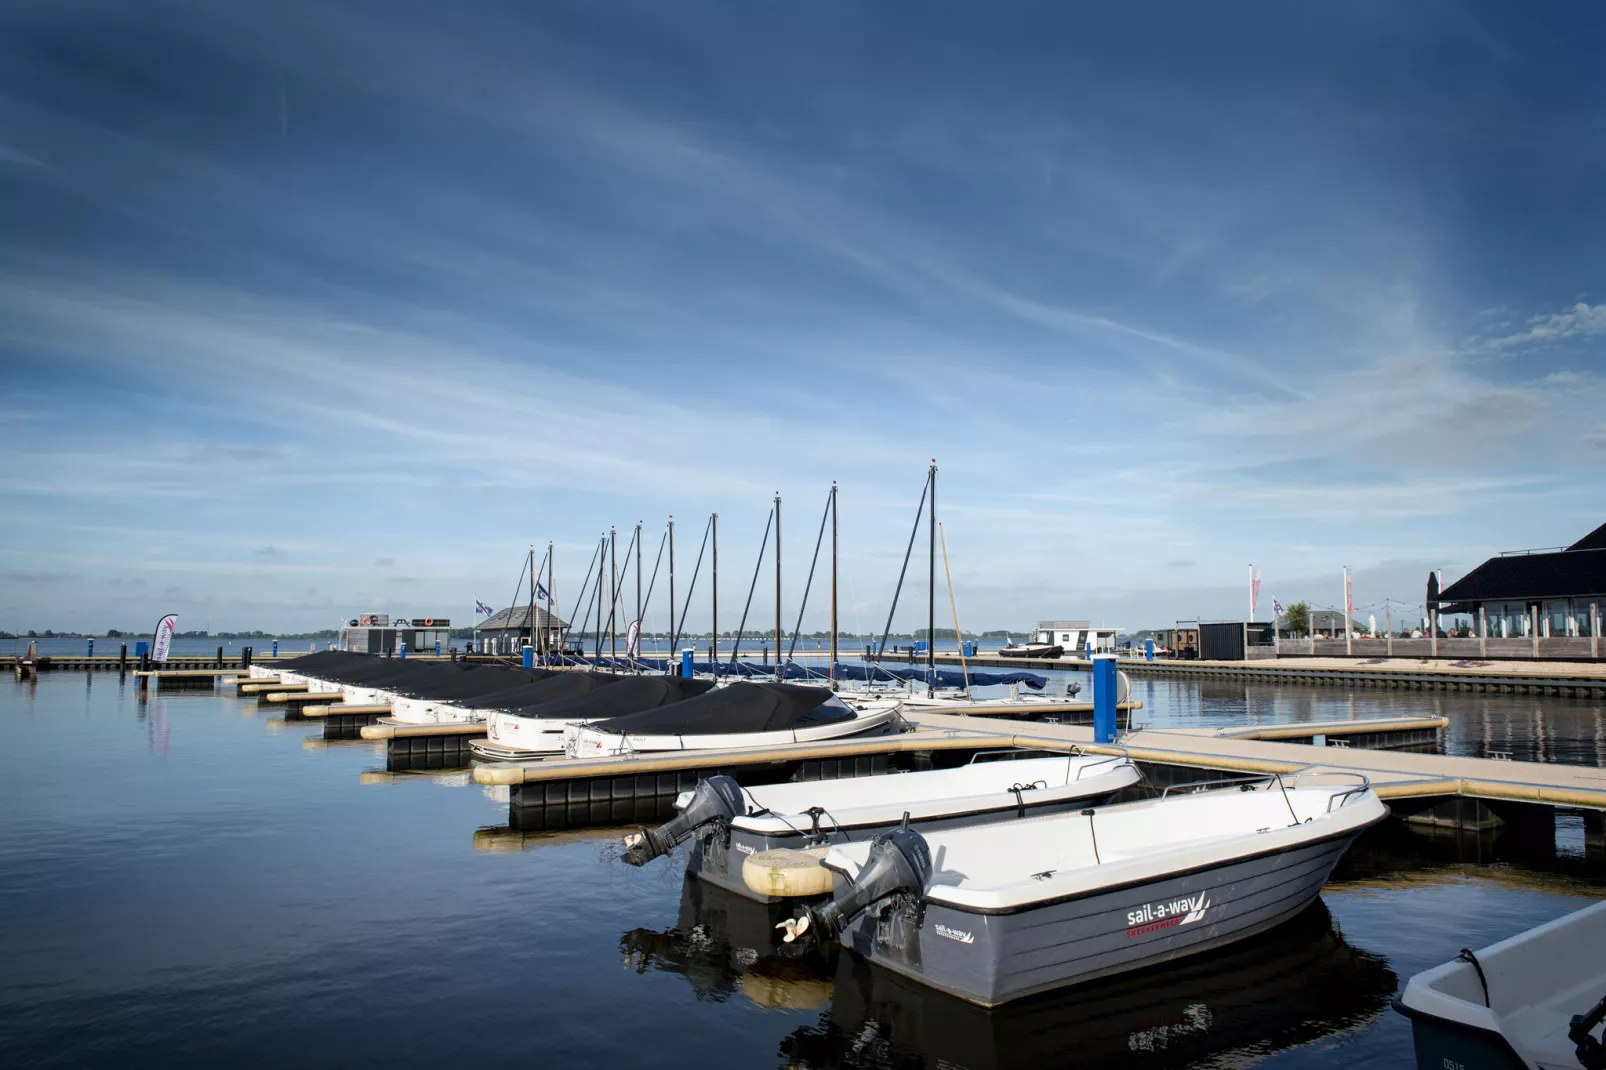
{"points": [[787, 873]]}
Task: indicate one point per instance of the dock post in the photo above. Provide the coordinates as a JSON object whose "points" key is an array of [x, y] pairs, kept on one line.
{"points": [[275, 648], [91, 647], [1104, 698], [1483, 633], [220, 657], [1594, 629], [122, 659], [529, 656], [687, 669], [1148, 650], [401, 650]]}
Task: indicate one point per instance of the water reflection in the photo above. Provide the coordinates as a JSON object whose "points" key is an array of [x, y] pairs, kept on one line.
{"points": [[1295, 984], [725, 945], [1400, 853]]}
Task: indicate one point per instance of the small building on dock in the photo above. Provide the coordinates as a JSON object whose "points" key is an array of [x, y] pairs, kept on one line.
{"points": [[1181, 641], [1232, 640], [1076, 636], [376, 633], [1549, 593], [507, 631]]}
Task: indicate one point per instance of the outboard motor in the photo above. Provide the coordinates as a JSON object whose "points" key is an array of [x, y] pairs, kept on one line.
{"points": [[717, 798], [900, 860]]}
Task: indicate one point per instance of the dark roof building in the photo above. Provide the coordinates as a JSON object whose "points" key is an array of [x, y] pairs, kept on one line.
{"points": [[1558, 592], [508, 629]]}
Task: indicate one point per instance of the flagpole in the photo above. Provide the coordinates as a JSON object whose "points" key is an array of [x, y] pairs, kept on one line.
{"points": [[1349, 645]]}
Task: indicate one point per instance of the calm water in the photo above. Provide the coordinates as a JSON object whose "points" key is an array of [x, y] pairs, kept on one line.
{"points": [[189, 880]]}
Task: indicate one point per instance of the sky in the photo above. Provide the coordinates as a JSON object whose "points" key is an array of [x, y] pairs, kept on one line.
{"points": [[315, 308]]}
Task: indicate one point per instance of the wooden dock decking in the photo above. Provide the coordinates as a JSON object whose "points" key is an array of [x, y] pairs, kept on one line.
{"points": [[1577, 678], [1397, 775]]}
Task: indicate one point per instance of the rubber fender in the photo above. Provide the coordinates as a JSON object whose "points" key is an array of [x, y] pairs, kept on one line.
{"points": [[786, 873]]}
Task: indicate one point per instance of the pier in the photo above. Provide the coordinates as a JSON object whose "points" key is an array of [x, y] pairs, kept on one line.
{"points": [[1581, 679], [1472, 793]]}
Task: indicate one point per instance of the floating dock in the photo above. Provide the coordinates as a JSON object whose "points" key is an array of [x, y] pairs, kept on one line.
{"points": [[409, 740], [1435, 788], [1581, 679]]}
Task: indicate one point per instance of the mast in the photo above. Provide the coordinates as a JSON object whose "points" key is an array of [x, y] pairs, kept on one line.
{"points": [[931, 590], [831, 672], [551, 593], [613, 592], [778, 585], [531, 618], [672, 587], [638, 587], [602, 549], [713, 628]]}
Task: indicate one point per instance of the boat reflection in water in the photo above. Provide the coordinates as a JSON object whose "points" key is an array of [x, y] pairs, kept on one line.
{"points": [[1289, 986], [725, 944]]}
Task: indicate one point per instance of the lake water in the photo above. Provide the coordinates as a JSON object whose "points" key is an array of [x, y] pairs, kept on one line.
{"points": [[188, 880]]}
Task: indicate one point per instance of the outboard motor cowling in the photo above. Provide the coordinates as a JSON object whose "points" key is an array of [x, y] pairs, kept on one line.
{"points": [[717, 798], [900, 860]]}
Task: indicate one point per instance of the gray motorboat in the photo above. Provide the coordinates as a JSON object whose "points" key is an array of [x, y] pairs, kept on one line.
{"points": [[994, 912]]}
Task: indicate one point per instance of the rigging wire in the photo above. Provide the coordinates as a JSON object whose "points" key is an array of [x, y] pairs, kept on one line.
{"points": [[762, 546], [919, 510], [676, 631], [818, 541]]}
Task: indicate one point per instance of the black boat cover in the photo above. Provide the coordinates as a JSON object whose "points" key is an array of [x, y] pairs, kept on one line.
{"points": [[376, 671], [630, 695], [463, 682], [735, 708], [564, 685]]}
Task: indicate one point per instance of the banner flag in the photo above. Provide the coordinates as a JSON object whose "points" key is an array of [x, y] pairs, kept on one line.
{"points": [[162, 638]]}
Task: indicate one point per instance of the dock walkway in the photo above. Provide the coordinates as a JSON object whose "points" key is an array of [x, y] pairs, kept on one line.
{"points": [[1396, 775]]}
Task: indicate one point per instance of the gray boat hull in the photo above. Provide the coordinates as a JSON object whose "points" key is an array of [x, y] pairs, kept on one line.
{"points": [[991, 958], [717, 858]]}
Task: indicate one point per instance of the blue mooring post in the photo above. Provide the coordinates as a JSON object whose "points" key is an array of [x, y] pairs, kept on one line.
{"points": [[401, 650], [275, 648], [1148, 650], [529, 656], [437, 648], [1104, 688], [91, 648], [687, 670]]}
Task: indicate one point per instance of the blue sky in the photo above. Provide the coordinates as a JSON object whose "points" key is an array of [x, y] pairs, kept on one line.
{"points": [[310, 308]]}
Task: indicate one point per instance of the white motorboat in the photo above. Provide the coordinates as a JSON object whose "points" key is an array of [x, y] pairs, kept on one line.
{"points": [[734, 825], [994, 912], [536, 731], [1531, 1001], [738, 715]]}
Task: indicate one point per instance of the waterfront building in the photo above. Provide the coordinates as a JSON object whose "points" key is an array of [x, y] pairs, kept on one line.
{"points": [[1075, 636], [1547, 593], [508, 630], [376, 633]]}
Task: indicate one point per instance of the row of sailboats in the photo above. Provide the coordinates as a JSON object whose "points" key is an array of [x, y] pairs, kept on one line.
{"points": [[614, 705]]}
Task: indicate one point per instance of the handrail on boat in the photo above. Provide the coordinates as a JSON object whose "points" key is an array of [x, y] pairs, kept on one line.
{"points": [[1073, 750], [1281, 780]]}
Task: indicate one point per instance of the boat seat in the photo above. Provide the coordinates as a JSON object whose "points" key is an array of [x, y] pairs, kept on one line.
{"points": [[1541, 1029]]}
